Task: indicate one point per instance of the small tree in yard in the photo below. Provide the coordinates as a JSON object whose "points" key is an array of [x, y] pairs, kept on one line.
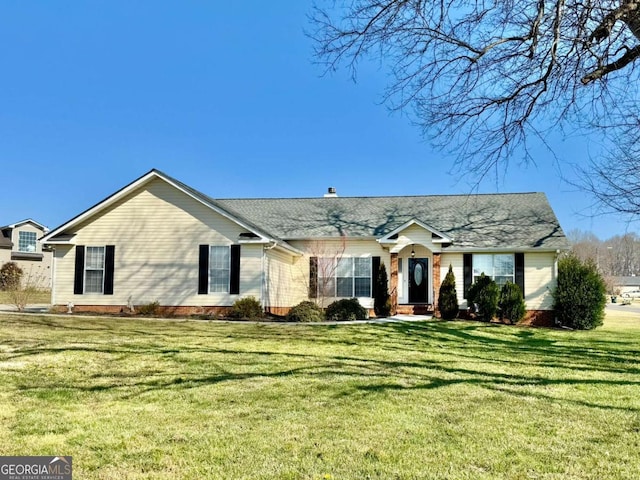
{"points": [[10, 276], [579, 298], [484, 294], [511, 303], [21, 291], [448, 297], [382, 300]]}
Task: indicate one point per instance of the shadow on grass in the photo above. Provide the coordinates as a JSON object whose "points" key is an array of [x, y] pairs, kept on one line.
{"points": [[360, 359]]}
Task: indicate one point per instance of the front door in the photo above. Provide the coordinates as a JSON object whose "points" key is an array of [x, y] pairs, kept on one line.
{"points": [[418, 268]]}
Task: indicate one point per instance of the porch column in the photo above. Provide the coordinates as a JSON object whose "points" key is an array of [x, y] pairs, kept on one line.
{"points": [[393, 284], [436, 281]]}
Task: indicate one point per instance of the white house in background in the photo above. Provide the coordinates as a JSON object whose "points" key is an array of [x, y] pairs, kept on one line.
{"points": [[20, 243], [158, 239]]}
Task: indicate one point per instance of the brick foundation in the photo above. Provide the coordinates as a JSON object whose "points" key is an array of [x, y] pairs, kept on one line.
{"points": [[532, 318]]}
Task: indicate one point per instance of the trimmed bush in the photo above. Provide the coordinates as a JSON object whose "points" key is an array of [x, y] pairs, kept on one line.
{"points": [[484, 293], [448, 297], [247, 308], [511, 303], [346, 309], [10, 276], [579, 299], [151, 308], [306, 311], [382, 300]]}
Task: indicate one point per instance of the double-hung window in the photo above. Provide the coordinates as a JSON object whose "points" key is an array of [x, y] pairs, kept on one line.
{"points": [[27, 242], [344, 277], [500, 267], [94, 270], [219, 269]]}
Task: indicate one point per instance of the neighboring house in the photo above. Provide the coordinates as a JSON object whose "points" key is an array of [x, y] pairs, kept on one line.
{"points": [[157, 239], [623, 285], [19, 243]]}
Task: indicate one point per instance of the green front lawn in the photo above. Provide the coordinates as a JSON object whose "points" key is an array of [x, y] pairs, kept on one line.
{"points": [[166, 399]]}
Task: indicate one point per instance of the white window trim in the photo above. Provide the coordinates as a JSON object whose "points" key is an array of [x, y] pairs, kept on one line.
{"points": [[492, 274], [35, 242], [93, 269], [228, 286], [335, 277]]}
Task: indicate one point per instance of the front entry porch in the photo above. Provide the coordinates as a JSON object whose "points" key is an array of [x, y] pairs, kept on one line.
{"points": [[415, 309], [415, 282]]}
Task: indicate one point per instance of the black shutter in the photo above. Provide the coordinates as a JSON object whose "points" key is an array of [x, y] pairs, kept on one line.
{"points": [[313, 277], [467, 272], [203, 270], [109, 260], [234, 274], [78, 278], [375, 270], [520, 271]]}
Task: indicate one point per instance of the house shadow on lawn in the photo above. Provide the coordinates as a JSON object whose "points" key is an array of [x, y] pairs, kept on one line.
{"points": [[359, 360]]}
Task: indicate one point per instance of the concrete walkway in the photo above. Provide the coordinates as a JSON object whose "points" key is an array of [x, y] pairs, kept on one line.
{"points": [[35, 308]]}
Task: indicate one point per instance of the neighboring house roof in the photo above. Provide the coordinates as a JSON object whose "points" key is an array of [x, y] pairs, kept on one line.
{"points": [[626, 281], [5, 238], [5, 232], [498, 221], [28, 220]]}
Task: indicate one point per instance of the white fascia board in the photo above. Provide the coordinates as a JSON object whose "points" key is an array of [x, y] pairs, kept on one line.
{"points": [[284, 246], [443, 238], [28, 220], [102, 205], [60, 242], [133, 186], [500, 250]]}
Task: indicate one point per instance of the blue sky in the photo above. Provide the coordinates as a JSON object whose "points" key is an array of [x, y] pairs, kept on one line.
{"points": [[223, 96]]}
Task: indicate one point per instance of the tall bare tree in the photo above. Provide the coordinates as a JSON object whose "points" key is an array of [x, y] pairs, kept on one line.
{"points": [[485, 79]]}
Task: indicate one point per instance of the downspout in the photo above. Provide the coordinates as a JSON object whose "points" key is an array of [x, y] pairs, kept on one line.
{"points": [[53, 275], [263, 286]]}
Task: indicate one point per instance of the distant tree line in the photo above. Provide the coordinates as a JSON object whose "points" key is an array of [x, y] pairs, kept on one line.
{"points": [[618, 256]]}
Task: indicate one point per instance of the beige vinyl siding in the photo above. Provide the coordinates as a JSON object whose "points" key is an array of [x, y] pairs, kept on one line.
{"points": [[415, 234], [539, 278], [456, 260], [35, 272], [339, 249], [286, 283], [156, 231]]}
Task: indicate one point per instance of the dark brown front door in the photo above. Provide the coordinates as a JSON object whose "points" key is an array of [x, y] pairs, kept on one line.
{"points": [[418, 280]]}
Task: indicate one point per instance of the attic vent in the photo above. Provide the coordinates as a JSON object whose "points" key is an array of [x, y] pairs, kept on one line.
{"points": [[331, 192]]}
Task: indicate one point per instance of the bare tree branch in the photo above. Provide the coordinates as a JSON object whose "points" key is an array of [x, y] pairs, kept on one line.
{"points": [[484, 79]]}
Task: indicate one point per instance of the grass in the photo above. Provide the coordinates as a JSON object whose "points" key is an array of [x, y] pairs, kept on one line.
{"points": [[165, 399]]}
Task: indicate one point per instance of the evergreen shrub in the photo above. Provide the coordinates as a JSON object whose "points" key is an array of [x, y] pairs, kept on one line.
{"points": [[484, 294], [346, 309], [306, 311], [579, 298], [448, 297]]}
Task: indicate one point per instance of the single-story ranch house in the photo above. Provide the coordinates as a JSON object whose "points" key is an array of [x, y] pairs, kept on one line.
{"points": [[158, 239]]}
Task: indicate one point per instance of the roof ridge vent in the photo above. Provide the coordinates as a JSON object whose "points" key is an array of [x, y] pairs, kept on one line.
{"points": [[331, 193]]}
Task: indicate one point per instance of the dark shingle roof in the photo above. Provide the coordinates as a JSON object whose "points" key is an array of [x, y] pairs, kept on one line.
{"points": [[520, 220]]}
